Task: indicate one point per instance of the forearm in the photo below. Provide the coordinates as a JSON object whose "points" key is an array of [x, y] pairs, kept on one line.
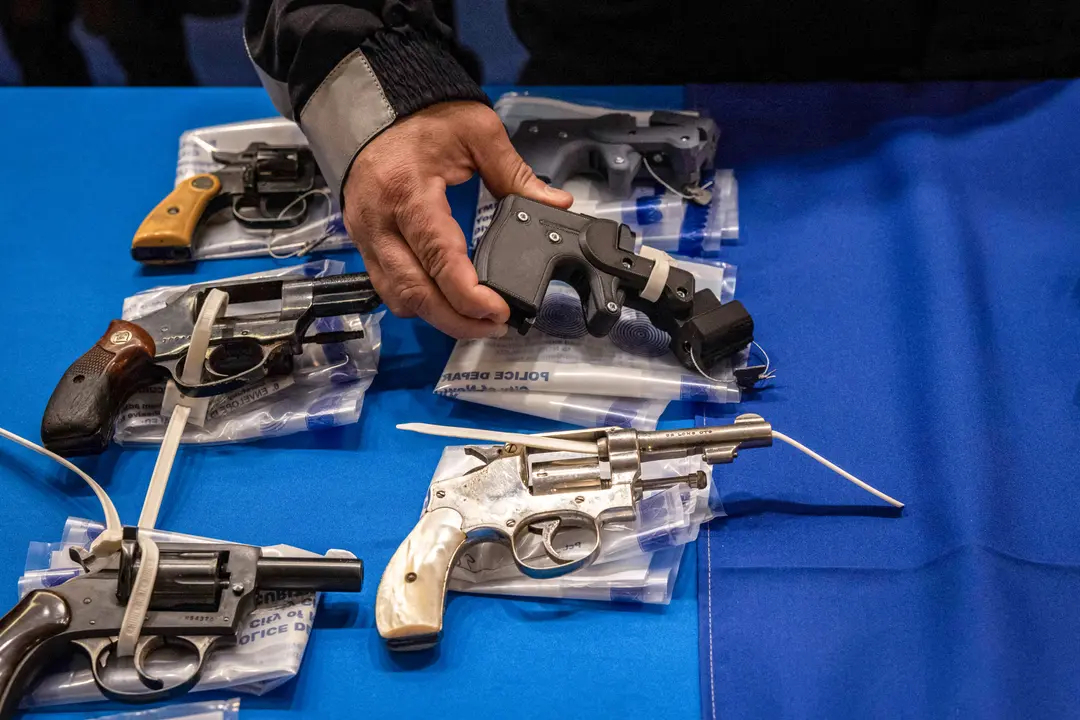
{"points": [[346, 71]]}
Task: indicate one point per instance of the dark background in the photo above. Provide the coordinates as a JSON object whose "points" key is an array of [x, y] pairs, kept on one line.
{"points": [[216, 48]]}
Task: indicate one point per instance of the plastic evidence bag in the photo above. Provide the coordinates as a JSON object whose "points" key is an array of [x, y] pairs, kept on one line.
{"points": [[325, 389], [267, 653], [659, 216], [559, 357], [206, 710], [223, 236], [637, 561]]}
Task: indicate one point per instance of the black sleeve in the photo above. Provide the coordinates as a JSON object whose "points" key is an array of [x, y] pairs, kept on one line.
{"points": [[346, 70]]}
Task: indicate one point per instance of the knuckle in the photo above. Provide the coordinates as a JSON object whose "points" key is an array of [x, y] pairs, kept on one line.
{"points": [[433, 256], [413, 297]]}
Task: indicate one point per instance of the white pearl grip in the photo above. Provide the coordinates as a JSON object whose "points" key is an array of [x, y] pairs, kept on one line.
{"points": [[412, 592]]}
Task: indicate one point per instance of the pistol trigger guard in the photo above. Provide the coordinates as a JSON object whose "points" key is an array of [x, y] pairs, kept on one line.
{"points": [[548, 526]]}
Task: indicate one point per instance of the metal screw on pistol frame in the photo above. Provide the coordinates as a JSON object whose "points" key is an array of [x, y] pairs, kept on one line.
{"points": [[612, 307], [523, 216], [554, 237]]}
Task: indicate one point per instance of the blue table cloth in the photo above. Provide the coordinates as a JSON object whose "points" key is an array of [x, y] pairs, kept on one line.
{"points": [[83, 168], [912, 259]]}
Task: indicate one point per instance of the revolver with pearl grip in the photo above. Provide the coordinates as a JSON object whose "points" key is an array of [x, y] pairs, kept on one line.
{"points": [[517, 492]]}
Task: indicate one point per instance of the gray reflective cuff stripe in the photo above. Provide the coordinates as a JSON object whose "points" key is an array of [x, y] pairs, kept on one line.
{"points": [[276, 89], [278, 92], [347, 110]]}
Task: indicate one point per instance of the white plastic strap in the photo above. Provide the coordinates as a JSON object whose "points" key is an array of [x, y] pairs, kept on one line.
{"points": [[143, 587], [659, 275], [108, 541], [541, 442]]}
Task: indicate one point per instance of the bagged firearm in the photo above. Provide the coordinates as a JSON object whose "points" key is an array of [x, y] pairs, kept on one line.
{"points": [[639, 560], [326, 388], [578, 378], [321, 227], [266, 655]]}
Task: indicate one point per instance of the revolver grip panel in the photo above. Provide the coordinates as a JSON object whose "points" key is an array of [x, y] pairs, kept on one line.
{"points": [[166, 235], [79, 417], [26, 632], [412, 593]]}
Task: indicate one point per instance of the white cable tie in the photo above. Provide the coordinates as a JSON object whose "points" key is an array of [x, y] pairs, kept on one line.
{"points": [[540, 442], [108, 541], [837, 469], [658, 277], [138, 603], [143, 588]]}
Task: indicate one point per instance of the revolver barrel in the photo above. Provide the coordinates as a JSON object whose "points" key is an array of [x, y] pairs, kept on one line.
{"points": [[311, 574]]}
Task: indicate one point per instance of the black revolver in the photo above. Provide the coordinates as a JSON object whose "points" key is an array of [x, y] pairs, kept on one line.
{"points": [[529, 244], [677, 147], [266, 186], [203, 594], [129, 356]]}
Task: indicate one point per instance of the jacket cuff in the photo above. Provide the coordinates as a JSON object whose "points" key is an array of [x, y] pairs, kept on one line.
{"points": [[393, 74]]}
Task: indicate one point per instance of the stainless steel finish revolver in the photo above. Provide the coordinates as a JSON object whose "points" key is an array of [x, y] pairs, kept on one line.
{"points": [[518, 491]]}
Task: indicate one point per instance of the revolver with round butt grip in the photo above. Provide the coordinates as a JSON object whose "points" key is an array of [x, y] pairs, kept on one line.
{"points": [[518, 492]]}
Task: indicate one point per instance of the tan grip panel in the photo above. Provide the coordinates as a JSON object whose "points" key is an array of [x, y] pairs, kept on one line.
{"points": [[167, 232]]}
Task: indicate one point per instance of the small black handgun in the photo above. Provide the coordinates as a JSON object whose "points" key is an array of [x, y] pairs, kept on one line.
{"points": [[530, 244], [202, 596], [676, 147], [267, 187], [131, 355]]}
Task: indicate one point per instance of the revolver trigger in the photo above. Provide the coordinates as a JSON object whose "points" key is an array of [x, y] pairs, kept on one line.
{"points": [[143, 648], [547, 530]]}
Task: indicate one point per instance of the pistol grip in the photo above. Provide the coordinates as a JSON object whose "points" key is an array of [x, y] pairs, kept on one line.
{"points": [[166, 234], [412, 593], [79, 417], [518, 258], [27, 633]]}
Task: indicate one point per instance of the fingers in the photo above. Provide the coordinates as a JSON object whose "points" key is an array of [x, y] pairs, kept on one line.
{"points": [[429, 228], [503, 170], [408, 291]]}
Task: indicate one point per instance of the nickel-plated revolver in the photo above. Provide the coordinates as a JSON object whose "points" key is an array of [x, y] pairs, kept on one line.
{"points": [[517, 492]]}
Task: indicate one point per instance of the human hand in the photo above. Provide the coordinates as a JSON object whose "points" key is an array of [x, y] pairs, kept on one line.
{"points": [[397, 214]]}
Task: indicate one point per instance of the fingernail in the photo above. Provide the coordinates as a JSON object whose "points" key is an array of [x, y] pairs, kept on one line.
{"points": [[498, 331]]}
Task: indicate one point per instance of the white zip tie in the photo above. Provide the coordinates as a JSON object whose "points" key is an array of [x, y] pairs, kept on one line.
{"points": [[837, 469], [540, 442], [658, 277], [142, 589], [110, 539]]}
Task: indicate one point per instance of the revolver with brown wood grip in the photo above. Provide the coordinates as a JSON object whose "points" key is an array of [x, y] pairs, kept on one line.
{"points": [[79, 417]]}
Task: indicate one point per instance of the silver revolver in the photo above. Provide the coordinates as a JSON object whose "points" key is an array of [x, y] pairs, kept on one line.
{"points": [[516, 493]]}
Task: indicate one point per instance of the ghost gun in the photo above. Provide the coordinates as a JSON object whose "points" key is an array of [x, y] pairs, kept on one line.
{"points": [[673, 147]]}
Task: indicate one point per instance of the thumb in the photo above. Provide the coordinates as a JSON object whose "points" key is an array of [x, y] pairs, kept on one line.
{"points": [[505, 173]]}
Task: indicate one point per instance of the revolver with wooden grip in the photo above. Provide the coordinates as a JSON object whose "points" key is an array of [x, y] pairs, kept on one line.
{"points": [[518, 492], [203, 593], [267, 187], [530, 244], [130, 355]]}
